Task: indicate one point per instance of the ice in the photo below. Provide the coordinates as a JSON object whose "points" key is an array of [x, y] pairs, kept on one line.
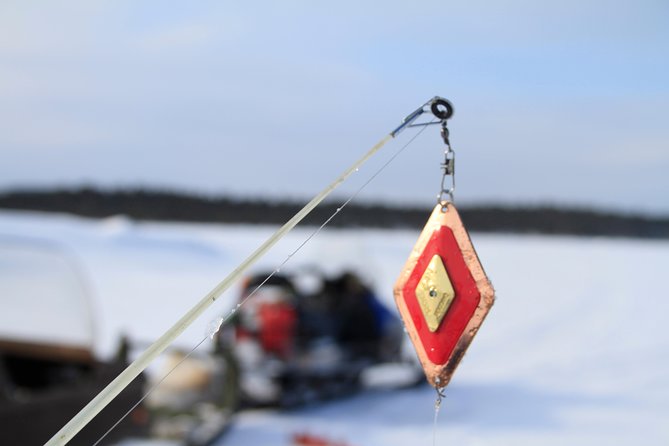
{"points": [[574, 351], [215, 326]]}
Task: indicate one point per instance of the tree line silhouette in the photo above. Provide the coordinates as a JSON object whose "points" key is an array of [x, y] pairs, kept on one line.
{"points": [[144, 204]]}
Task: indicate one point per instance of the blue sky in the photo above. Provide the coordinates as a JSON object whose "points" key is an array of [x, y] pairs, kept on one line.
{"points": [[562, 102]]}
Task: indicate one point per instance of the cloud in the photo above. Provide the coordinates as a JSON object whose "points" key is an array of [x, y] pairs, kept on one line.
{"points": [[276, 88]]}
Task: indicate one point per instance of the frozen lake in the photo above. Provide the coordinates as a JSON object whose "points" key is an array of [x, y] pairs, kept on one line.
{"points": [[575, 350]]}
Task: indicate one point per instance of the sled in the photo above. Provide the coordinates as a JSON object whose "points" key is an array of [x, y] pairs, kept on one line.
{"points": [[48, 369]]}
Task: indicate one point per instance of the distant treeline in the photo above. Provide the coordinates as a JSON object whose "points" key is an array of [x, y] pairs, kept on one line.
{"points": [[171, 206]]}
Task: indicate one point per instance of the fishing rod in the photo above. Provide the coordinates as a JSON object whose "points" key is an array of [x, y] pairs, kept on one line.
{"points": [[439, 107]]}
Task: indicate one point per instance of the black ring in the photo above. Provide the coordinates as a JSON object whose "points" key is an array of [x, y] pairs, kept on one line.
{"points": [[437, 111]]}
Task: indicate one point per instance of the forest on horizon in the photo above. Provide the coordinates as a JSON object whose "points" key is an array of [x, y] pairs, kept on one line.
{"points": [[144, 204]]}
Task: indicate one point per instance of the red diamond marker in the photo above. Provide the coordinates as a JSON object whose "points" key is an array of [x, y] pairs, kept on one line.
{"points": [[440, 348]]}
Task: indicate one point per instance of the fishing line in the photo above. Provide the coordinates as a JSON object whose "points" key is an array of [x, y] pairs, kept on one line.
{"points": [[219, 323], [106, 395], [437, 405], [150, 391]]}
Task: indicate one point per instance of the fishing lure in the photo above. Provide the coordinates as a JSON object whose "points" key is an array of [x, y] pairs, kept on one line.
{"points": [[443, 294]]}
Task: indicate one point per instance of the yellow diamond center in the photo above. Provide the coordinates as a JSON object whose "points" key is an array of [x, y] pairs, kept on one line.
{"points": [[435, 293]]}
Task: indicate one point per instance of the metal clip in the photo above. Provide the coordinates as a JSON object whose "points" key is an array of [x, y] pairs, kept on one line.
{"points": [[449, 163], [445, 133], [448, 167]]}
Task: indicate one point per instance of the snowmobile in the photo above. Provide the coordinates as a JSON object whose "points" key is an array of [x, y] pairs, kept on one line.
{"points": [[295, 344]]}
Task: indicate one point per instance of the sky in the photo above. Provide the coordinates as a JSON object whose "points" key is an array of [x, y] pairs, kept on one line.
{"points": [[558, 103]]}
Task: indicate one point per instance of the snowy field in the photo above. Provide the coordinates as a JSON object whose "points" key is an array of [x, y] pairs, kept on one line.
{"points": [[574, 352]]}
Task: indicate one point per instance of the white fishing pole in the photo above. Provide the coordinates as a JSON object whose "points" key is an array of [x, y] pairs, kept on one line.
{"points": [[438, 106]]}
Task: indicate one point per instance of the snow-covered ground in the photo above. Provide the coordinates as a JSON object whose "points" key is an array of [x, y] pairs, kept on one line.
{"points": [[574, 352]]}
